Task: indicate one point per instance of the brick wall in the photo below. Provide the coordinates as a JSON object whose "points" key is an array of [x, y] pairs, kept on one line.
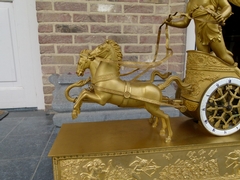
{"points": [[68, 26]]}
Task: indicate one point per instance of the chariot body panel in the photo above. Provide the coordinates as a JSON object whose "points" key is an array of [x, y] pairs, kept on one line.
{"points": [[214, 99]]}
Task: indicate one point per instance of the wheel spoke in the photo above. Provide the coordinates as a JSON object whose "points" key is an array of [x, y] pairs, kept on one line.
{"points": [[223, 107]]}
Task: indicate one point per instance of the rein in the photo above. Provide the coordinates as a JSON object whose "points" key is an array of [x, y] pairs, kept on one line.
{"points": [[144, 65], [138, 65]]}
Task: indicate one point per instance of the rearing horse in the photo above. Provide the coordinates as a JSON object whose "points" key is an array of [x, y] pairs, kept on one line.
{"points": [[109, 88]]}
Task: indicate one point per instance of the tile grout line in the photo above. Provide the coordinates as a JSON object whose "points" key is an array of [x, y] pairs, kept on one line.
{"points": [[42, 155], [12, 130]]}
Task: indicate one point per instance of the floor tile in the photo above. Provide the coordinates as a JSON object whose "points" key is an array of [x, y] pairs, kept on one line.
{"points": [[44, 170], [23, 146], [50, 142], [33, 125], [25, 114], [7, 126], [25, 141], [18, 169], [31, 129]]}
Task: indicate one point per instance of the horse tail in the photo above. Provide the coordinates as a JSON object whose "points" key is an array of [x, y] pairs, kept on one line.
{"points": [[181, 85], [76, 84], [157, 73]]}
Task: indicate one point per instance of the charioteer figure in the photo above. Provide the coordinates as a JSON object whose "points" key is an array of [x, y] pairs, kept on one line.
{"points": [[208, 16]]}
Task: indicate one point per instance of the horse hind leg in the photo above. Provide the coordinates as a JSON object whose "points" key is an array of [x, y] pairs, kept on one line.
{"points": [[155, 111], [153, 121]]}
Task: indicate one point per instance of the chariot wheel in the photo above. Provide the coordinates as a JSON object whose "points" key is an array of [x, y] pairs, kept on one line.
{"points": [[220, 107]]}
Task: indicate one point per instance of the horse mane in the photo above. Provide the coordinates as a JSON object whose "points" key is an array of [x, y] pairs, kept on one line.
{"points": [[116, 48], [84, 52]]}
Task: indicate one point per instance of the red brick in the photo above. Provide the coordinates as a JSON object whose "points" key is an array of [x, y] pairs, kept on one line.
{"points": [[106, 8], [177, 39], [45, 79], [130, 58], [149, 58], [48, 89], [134, 29], [105, 29], [53, 17], [174, 30], [179, 1], [122, 19], [47, 49], [175, 67], [151, 19], [70, 49], [162, 9], [178, 48], [178, 8], [67, 28], [177, 58], [48, 99], [161, 1], [124, 1], [45, 28], [138, 9], [67, 69], [57, 60], [48, 70], [48, 107], [138, 49], [49, 39], [152, 39], [43, 6], [121, 39], [89, 18], [161, 49], [70, 6], [89, 38]]}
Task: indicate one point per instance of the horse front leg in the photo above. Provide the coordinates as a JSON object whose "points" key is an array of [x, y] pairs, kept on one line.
{"points": [[78, 104], [88, 96]]}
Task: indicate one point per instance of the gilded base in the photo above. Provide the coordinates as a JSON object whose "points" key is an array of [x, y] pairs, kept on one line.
{"points": [[132, 149]]}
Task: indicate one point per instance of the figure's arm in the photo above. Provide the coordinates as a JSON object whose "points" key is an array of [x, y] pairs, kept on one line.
{"points": [[225, 12], [182, 23]]}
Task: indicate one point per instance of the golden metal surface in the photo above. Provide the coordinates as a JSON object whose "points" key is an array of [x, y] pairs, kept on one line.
{"points": [[199, 97], [208, 18], [104, 64], [132, 149]]}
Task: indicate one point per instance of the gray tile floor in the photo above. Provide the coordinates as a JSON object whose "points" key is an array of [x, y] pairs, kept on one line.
{"points": [[25, 140]]}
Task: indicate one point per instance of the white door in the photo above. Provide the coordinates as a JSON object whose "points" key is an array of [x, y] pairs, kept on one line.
{"points": [[20, 68]]}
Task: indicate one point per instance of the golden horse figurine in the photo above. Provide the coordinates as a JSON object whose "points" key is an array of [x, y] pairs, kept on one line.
{"points": [[107, 87]]}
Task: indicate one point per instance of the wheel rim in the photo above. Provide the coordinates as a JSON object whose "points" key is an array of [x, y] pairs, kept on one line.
{"points": [[220, 107]]}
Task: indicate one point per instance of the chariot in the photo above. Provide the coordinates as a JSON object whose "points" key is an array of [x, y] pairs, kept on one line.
{"points": [[209, 93], [215, 97]]}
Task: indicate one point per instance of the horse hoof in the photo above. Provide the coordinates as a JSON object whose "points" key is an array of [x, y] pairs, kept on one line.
{"points": [[162, 132], [154, 124], [74, 115], [168, 139], [150, 121]]}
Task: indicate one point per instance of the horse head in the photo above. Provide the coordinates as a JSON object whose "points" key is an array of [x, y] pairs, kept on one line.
{"points": [[83, 63], [108, 50]]}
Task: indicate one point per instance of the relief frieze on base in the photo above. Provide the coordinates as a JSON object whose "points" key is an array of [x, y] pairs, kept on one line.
{"points": [[221, 163]]}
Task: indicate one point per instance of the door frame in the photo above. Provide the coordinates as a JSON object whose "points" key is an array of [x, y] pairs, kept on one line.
{"points": [[35, 52], [28, 47]]}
